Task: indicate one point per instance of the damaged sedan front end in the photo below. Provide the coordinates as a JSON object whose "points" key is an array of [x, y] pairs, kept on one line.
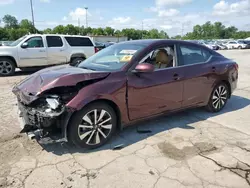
{"points": [[43, 98]]}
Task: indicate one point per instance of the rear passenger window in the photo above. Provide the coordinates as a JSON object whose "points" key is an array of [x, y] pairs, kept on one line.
{"points": [[79, 41], [193, 55], [54, 41]]}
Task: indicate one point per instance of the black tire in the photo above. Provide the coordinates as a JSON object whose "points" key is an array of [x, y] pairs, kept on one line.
{"points": [[220, 94], [7, 67], [77, 60], [75, 131], [240, 47]]}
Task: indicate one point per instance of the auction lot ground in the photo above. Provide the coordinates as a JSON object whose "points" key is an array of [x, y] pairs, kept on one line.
{"points": [[194, 149]]}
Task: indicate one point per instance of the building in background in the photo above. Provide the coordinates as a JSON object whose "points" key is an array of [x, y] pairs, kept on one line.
{"points": [[104, 39]]}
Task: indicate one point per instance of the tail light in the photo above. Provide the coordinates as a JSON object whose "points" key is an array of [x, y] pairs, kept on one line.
{"points": [[96, 49]]}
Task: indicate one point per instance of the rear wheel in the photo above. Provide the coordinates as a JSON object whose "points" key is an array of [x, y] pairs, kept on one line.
{"points": [[218, 98], [76, 61], [93, 126], [7, 67], [240, 47]]}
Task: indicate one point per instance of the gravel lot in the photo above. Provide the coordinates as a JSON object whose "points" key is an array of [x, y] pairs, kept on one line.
{"points": [[194, 149]]}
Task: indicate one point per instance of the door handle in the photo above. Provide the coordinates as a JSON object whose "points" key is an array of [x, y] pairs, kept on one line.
{"points": [[176, 76], [41, 50], [61, 50]]}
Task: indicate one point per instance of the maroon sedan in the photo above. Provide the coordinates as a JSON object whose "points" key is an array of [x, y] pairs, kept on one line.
{"points": [[122, 84]]}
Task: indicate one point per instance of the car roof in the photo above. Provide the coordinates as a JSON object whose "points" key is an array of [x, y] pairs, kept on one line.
{"points": [[148, 42], [58, 35]]}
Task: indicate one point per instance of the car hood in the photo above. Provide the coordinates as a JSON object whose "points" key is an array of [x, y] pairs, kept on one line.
{"points": [[34, 85]]}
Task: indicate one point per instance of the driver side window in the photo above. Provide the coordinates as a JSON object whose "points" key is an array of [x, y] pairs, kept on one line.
{"points": [[35, 42], [162, 58]]}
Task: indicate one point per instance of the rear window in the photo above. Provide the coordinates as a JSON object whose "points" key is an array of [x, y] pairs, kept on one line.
{"points": [[79, 41], [54, 41], [193, 54]]}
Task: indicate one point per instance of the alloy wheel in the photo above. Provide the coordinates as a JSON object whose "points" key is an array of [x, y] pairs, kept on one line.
{"points": [[219, 97], [5, 67], [95, 127]]}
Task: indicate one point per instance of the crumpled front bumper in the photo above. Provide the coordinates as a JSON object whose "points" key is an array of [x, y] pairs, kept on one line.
{"points": [[42, 124]]}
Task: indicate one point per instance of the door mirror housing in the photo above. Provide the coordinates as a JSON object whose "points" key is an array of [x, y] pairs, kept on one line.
{"points": [[144, 67], [24, 45]]}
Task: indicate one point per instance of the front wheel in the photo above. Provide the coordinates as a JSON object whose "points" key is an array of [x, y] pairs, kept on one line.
{"points": [[218, 98], [92, 126]]}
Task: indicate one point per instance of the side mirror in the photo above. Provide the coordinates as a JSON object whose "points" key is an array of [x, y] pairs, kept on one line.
{"points": [[144, 67], [24, 45]]}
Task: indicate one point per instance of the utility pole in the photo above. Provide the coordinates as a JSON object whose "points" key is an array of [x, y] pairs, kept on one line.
{"points": [[32, 13], [86, 8]]}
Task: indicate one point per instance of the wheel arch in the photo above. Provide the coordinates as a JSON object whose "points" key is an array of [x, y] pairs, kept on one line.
{"points": [[11, 58], [75, 55], [228, 85], [108, 102]]}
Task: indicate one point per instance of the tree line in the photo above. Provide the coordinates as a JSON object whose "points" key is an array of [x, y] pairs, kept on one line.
{"points": [[13, 30], [215, 31]]}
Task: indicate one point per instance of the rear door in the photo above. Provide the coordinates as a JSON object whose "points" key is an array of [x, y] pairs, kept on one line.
{"points": [[199, 73], [56, 50], [34, 54]]}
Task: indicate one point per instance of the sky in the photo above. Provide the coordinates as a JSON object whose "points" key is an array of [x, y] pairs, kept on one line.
{"points": [[172, 16]]}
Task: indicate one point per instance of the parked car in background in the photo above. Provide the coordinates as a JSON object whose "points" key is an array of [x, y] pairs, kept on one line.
{"points": [[210, 45], [5, 43], [99, 45], [44, 50], [235, 45], [221, 45], [247, 42], [123, 84], [107, 44]]}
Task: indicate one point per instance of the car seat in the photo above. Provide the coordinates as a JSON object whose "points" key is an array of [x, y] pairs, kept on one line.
{"points": [[161, 59]]}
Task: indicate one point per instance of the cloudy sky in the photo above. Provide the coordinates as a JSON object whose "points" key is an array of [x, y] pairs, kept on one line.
{"points": [[172, 16]]}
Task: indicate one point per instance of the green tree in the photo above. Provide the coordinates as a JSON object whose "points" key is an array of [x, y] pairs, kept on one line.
{"points": [[59, 29], [98, 31], [10, 21], [26, 24], [71, 29], [229, 32], [48, 31], [176, 37], [109, 31], [4, 34], [17, 33]]}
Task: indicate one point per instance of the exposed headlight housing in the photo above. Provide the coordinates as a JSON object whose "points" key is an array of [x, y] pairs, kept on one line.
{"points": [[53, 101]]}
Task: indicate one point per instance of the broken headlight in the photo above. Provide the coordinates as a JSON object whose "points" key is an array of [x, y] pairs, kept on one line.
{"points": [[53, 101]]}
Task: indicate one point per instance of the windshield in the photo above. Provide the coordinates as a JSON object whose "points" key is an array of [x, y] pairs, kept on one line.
{"points": [[112, 58], [15, 43]]}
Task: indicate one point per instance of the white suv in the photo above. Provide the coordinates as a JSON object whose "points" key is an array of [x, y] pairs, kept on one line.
{"points": [[44, 50]]}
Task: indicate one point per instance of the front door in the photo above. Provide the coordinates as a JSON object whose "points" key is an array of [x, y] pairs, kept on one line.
{"points": [[34, 54], [156, 92]]}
